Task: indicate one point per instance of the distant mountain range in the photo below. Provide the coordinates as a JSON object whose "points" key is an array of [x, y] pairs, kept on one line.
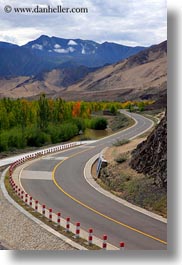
{"points": [[47, 53], [140, 76]]}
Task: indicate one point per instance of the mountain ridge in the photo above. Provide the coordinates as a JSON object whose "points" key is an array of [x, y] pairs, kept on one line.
{"points": [[46, 53], [140, 76]]}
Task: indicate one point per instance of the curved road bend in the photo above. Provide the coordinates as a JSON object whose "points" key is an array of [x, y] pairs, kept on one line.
{"points": [[57, 181]]}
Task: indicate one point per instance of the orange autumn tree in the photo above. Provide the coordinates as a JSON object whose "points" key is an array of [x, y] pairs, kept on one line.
{"points": [[76, 109]]}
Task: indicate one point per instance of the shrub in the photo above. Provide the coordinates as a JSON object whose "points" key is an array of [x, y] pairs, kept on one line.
{"points": [[120, 159], [120, 142], [99, 123], [53, 131], [67, 131], [38, 139], [80, 124], [3, 141], [119, 122], [16, 139], [113, 110]]}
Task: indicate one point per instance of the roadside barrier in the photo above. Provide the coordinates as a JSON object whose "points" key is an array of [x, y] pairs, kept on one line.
{"points": [[58, 219], [27, 199], [36, 205], [50, 215], [122, 246], [30, 201], [104, 244], [18, 192], [77, 232], [43, 209], [67, 224], [22, 195], [90, 236]]}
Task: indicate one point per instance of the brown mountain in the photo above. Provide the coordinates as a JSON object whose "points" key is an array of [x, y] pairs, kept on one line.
{"points": [[141, 76], [49, 82]]}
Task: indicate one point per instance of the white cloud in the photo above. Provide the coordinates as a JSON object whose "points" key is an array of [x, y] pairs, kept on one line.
{"points": [[128, 21]]}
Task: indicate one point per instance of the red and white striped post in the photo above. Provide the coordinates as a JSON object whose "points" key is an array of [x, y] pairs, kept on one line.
{"points": [[121, 246], [67, 224], [58, 219], [50, 215], [26, 198], [30, 201], [22, 194], [19, 192], [90, 236], [43, 209], [36, 206], [77, 232], [16, 189], [104, 243]]}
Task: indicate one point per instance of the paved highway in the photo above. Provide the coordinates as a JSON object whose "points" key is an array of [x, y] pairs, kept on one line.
{"points": [[57, 181]]}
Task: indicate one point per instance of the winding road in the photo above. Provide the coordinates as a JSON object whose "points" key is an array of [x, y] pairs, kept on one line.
{"points": [[58, 181]]}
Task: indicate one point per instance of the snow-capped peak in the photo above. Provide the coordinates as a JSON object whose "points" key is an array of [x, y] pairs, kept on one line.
{"points": [[72, 42]]}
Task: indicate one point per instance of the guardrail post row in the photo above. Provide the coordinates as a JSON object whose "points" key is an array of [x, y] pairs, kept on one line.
{"points": [[50, 215], [90, 236], [121, 246], [67, 224], [104, 243], [58, 219], [77, 232]]}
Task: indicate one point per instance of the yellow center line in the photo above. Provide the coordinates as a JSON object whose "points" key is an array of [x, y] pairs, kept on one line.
{"points": [[95, 211]]}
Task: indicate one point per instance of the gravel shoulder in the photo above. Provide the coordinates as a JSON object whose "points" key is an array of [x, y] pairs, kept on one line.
{"points": [[18, 232]]}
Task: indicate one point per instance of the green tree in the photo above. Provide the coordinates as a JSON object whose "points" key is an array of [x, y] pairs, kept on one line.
{"points": [[43, 112]]}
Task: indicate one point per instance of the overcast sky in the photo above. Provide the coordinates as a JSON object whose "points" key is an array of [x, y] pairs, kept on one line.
{"points": [[129, 22]]}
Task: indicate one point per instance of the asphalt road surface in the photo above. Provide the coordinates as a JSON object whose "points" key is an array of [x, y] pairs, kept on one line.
{"points": [[58, 181]]}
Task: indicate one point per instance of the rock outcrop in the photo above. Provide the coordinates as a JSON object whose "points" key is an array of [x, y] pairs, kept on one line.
{"points": [[150, 157]]}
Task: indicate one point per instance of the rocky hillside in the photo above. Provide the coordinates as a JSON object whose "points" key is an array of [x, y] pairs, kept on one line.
{"points": [[150, 157]]}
